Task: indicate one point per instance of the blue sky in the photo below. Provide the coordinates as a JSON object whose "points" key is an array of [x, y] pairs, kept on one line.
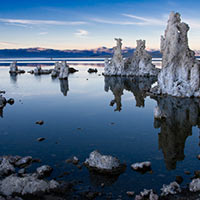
{"points": [[86, 24]]}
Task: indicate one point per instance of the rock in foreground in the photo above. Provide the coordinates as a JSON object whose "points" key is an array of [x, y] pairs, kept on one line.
{"points": [[104, 163]]}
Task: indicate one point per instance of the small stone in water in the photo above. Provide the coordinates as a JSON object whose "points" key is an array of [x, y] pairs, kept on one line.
{"points": [[179, 179], [130, 193], [187, 172], [40, 139], [41, 122], [198, 156]]}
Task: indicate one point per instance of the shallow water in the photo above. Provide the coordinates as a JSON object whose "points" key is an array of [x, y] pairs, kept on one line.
{"points": [[113, 115]]}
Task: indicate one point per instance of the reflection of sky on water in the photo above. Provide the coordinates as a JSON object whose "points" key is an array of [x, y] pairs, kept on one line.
{"points": [[130, 134]]}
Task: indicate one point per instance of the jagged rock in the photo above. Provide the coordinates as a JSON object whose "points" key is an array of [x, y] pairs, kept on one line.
{"points": [[172, 188], [44, 171], [194, 186], [141, 63], [29, 185], [55, 72], [75, 160], [24, 161], [147, 194], [90, 70], [6, 168], [22, 171], [115, 66], [64, 70], [180, 73], [104, 163], [158, 114], [14, 69], [130, 193], [142, 167]]}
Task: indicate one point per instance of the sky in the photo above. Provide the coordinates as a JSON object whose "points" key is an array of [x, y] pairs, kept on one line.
{"points": [[87, 24]]}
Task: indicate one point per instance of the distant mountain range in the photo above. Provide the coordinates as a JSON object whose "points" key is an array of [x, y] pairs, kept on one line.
{"points": [[101, 52], [52, 53]]}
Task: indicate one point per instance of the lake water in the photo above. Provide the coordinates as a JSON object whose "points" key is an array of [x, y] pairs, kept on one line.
{"points": [[90, 112]]}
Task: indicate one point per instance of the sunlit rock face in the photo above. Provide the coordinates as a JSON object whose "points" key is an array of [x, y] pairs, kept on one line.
{"points": [[139, 86], [141, 63], [115, 66], [178, 118], [64, 70], [180, 71]]}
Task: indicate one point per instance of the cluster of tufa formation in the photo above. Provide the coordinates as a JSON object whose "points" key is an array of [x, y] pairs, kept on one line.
{"points": [[140, 64], [61, 70], [14, 69], [180, 73]]}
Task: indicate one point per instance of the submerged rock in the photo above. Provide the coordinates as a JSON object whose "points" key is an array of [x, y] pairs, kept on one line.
{"points": [[141, 63], [104, 163], [180, 72], [142, 167], [115, 66], [172, 188]]}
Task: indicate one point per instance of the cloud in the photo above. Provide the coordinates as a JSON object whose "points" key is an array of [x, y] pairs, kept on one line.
{"points": [[81, 33], [104, 21], [7, 43], [43, 33], [146, 21], [40, 22]]}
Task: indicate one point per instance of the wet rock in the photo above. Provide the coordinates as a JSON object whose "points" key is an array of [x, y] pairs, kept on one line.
{"points": [[198, 156], [194, 186], [90, 70], [40, 139], [14, 69], [39, 71], [44, 171], [142, 167], [187, 172], [172, 188], [41, 122], [23, 162], [147, 194], [2, 92], [197, 174], [6, 168], [104, 163], [179, 179], [130, 193], [29, 185], [11, 101]]}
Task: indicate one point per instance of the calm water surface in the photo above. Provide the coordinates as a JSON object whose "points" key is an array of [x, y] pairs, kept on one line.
{"points": [[113, 115]]}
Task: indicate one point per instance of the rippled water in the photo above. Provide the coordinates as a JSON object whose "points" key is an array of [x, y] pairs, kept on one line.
{"points": [[113, 115]]}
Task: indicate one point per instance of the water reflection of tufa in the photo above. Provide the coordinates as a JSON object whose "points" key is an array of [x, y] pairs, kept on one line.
{"points": [[64, 86], [175, 117], [139, 86]]}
